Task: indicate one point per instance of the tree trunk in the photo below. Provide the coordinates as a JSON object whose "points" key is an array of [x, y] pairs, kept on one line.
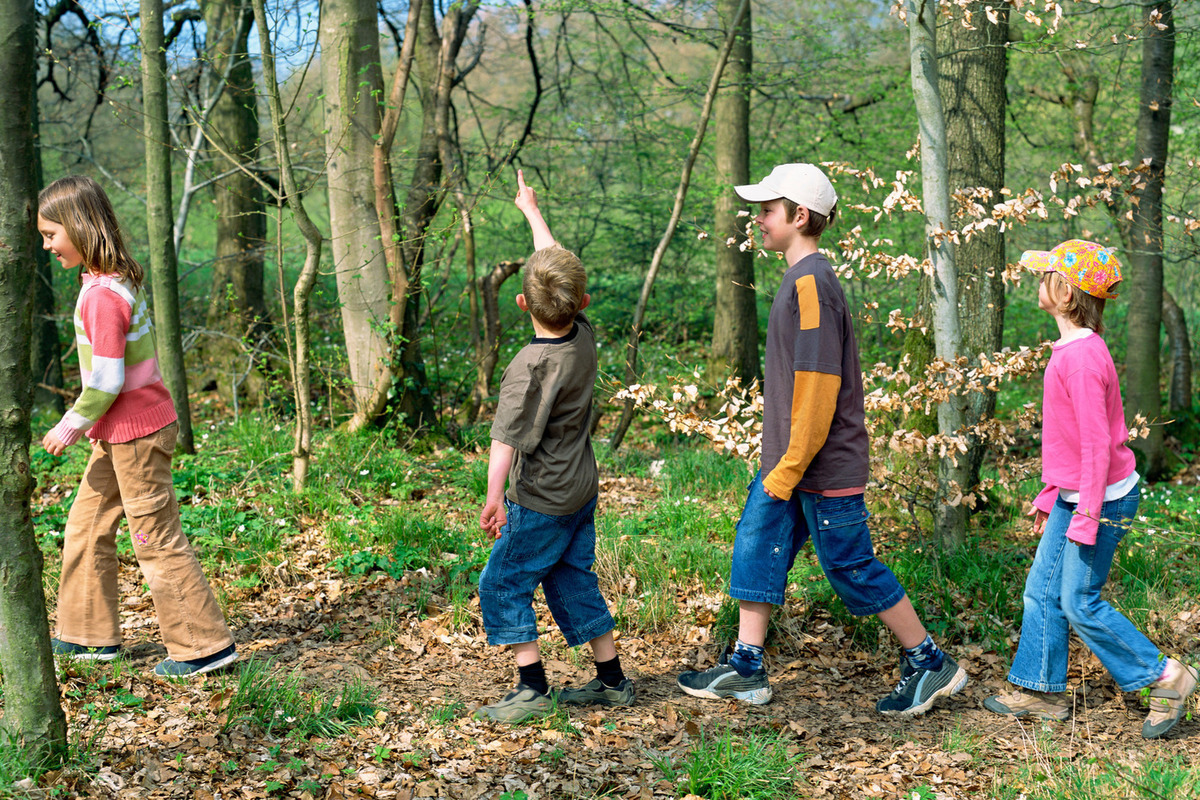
{"points": [[47, 355], [949, 513], [971, 80], [237, 309], [301, 378], [353, 82], [164, 273], [735, 315], [435, 57], [685, 179], [1179, 389], [1144, 285], [489, 295], [33, 718]]}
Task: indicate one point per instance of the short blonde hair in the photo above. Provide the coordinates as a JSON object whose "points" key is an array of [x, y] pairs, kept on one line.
{"points": [[554, 285], [1083, 309]]}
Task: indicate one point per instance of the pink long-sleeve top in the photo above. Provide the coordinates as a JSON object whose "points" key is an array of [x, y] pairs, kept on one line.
{"points": [[1083, 432], [123, 395]]}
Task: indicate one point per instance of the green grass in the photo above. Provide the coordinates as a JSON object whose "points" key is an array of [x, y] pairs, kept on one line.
{"points": [[731, 765], [279, 705], [1048, 775]]}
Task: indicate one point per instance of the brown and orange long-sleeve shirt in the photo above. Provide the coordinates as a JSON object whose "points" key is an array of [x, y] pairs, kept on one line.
{"points": [[814, 431]]}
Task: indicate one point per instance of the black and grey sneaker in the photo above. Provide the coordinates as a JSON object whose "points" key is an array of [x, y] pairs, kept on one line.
{"points": [[169, 668], [596, 693], [520, 704], [81, 652], [920, 688], [725, 681]]}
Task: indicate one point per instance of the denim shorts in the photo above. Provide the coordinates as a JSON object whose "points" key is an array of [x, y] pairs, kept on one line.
{"points": [[771, 532], [558, 553]]}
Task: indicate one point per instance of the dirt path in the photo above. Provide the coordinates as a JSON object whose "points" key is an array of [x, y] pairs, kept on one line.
{"points": [[152, 738]]}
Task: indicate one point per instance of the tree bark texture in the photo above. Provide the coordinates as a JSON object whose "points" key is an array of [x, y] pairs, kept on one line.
{"points": [[434, 63], [353, 83], [164, 272], [949, 515], [237, 309], [301, 356], [45, 348], [489, 294], [1179, 387], [660, 251], [1144, 286], [735, 314], [33, 717], [971, 79]]}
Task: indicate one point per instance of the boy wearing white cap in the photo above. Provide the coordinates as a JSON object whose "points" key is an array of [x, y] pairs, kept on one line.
{"points": [[813, 471]]}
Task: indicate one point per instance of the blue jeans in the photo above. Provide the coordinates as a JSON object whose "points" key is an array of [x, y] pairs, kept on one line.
{"points": [[771, 532], [556, 552], [1063, 592]]}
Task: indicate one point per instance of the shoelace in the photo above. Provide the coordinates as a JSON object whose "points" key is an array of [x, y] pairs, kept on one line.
{"points": [[904, 679]]}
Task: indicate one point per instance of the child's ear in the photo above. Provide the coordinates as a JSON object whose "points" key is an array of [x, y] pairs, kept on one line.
{"points": [[522, 304], [801, 218], [587, 299]]}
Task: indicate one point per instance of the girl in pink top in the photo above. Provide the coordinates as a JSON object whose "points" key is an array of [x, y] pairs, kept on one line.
{"points": [[129, 419], [1091, 495]]}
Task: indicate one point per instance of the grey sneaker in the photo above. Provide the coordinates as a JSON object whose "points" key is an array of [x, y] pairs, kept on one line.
{"points": [[920, 688], [596, 693], [169, 668], [725, 681], [518, 705], [1168, 700], [81, 652], [1026, 702]]}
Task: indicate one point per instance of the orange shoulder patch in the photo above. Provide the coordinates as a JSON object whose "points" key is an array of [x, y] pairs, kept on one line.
{"points": [[808, 302]]}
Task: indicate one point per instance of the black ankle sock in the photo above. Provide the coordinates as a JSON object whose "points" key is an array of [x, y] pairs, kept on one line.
{"points": [[534, 676], [609, 672]]}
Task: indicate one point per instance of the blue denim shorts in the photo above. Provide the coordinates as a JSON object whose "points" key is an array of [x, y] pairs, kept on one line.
{"points": [[771, 532], [558, 553]]}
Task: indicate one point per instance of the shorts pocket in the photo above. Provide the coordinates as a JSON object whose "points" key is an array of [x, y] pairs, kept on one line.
{"points": [[841, 512]]}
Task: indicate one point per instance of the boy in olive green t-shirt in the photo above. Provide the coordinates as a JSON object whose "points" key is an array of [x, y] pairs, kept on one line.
{"points": [[544, 525]]}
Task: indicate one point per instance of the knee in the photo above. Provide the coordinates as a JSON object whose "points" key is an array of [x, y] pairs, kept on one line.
{"points": [[487, 581], [1080, 609]]}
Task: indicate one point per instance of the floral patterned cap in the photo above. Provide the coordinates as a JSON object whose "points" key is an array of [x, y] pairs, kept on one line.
{"points": [[1087, 266]]}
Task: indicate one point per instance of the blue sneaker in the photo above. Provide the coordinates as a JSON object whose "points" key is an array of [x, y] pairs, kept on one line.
{"points": [[920, 688], [189, 669], [80, 652], [725, 681]]}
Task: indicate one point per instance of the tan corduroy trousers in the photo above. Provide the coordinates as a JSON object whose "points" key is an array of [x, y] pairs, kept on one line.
{"points": [[133, 480]]}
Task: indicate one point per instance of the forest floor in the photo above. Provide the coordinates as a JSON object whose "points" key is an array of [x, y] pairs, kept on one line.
{"points": [[427, 664]]}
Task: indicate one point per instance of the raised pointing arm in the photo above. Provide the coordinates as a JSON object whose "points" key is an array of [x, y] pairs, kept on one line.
{"points": [[526, 200]]}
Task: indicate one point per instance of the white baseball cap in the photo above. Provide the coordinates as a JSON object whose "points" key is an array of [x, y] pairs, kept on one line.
{"points": [[804, 184]]}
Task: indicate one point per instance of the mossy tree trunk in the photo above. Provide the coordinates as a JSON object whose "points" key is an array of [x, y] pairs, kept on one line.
{"points": [[1143, 394], [353, 82], [160, 225], [971, 79], [949, 513], [237, 309], [33, 716], [735, 315]]}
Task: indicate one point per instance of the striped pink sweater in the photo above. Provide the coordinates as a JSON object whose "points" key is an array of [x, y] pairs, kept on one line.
{"points": [[123, 397]]}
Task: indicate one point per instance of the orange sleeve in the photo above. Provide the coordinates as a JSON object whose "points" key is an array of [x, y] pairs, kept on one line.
{"points": [[814, 400]]}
